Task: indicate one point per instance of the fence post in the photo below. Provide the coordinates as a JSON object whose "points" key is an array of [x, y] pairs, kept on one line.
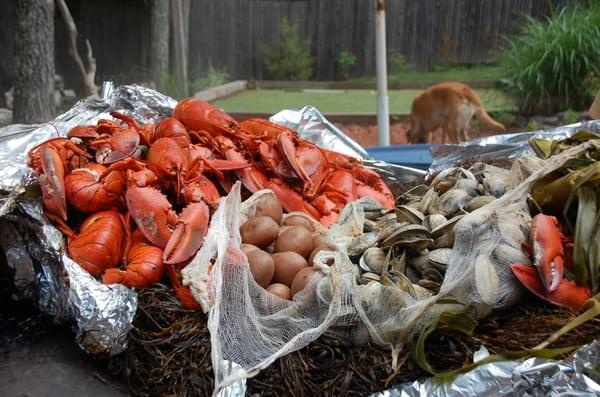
{"points": [[180, 42], [383, 111]]}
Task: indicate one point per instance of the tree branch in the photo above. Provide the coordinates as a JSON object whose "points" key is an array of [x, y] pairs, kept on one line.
{"points": [[87, 74]]}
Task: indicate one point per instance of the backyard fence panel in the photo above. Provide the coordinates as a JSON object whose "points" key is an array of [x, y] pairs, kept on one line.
{"points": [[228, 33]]}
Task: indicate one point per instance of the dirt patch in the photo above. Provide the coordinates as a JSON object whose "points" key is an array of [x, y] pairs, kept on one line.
{"points": [[366, 135]]}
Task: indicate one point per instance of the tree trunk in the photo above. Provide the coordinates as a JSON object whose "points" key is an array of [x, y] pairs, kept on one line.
{"points": [[34, 61], [159, 40]]}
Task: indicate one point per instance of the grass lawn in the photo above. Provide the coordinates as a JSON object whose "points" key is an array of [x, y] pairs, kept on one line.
{"points": [[338, 101], [456, 73]]}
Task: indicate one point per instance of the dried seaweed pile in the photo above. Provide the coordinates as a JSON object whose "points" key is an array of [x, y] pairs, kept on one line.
{"points": [[169, 352], [169, 348]]}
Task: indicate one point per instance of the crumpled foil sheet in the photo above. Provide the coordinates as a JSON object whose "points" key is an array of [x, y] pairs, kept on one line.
{"points": [[576, 376], [505, 146], [313, 126], [35, 249]]}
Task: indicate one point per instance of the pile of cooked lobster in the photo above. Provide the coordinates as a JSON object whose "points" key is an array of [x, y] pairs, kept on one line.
{"points": [[141, 195]]}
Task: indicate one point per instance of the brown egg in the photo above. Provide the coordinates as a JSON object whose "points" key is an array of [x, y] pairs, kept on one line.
{"points": [[287, 265], [283, 229], [297, 239], [268, 205], [248, 247], [270, 248], [298, 220], [305, 277], [259, 231], [262, 267], [319, 239], [281, 290]]}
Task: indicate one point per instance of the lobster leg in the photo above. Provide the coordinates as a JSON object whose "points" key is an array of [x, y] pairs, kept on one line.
{"points": [[52, 182], [290, 199], [567, 294], [182, 292], [201, 189], [190, 229]]}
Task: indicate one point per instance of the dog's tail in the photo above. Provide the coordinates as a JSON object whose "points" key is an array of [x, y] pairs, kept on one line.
{"points": [[482, 115]]}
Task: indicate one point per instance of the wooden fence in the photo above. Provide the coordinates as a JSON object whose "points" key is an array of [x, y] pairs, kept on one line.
{"points": [[228, 33]]}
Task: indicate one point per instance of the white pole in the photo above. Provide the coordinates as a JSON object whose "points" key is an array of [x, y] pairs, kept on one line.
{"points": [[383, 110]]}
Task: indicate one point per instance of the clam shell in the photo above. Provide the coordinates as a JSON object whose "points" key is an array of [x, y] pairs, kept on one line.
{"points": [[433, 221], [419, 261], [374, 259], [397, 263], [399, 280], [505, 253], [442, 175], [445, 185], [430, 285], [440, 258], [470, 186], [413, 238], [368, 277], [478, 202], [359, 244], [486, 280], [433, 275], [428, 202], [495, 185], [444, 241], [369, 225], [446, 227], [408, 214], [452, 201], [513, 231], [414, 194], [422, 293]]}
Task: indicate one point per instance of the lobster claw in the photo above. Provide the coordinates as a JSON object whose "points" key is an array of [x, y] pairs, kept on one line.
{"points": [[190, 229], [567, 294], [548, 251], [52, 182], [152, 213]]}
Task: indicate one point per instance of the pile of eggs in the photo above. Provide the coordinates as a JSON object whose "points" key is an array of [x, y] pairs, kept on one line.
{"points": [[280, 250]]}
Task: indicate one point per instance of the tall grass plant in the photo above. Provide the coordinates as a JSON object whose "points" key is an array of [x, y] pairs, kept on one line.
{"points": [[552, 65]]}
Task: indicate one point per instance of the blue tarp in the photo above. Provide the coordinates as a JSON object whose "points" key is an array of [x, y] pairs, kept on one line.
{"points": [[415, 156]]}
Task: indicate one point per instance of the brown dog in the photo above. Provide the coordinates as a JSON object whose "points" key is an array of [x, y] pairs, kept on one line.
{"points": [[451, 106]]}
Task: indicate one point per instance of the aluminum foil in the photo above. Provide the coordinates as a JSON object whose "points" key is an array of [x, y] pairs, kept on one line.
{"points": [[313, 126], [102, 314], [505, 146], [532, 377]]}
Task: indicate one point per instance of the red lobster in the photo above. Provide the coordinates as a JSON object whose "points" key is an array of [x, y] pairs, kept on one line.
{"points": [[143, 265], [548, 255], [102, 239]]}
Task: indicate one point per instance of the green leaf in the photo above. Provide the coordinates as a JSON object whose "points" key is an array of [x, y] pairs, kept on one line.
{"points": [[453, 315], [584, 228], [594, 255], [449, 376]]}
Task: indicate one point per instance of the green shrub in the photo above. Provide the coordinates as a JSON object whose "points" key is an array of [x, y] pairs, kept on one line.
{"points": [[211, 78], [399, 64], [346, 61], [533, 125], [289, 57], [571, 116], [549, 66], [170, 84]]}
